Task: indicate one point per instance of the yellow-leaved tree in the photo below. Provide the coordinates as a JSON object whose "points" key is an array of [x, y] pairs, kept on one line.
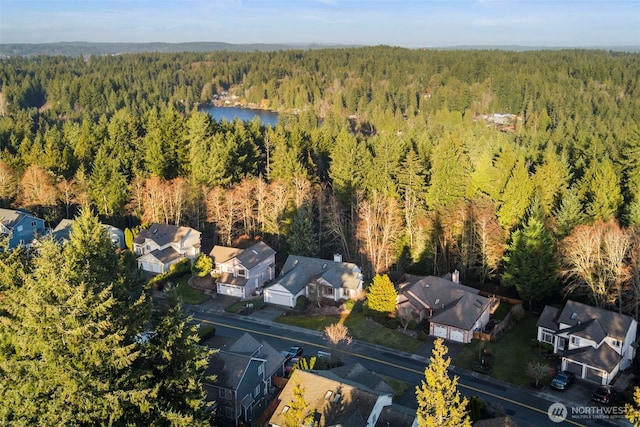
{"points": [[439, 402]]}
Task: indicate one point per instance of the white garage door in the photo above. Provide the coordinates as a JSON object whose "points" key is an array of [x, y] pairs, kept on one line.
{"points": [[278, 298], [440, 331], [234, 291], [457, 335]]}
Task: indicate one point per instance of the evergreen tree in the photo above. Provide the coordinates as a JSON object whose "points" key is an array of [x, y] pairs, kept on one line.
{"points": [[300, 238], [530, 263], [381, 296], [439, 402], [74, 347]]}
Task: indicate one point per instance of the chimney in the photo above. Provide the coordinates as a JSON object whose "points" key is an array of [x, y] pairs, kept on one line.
{"points": [[455, 276], [337, 258]]}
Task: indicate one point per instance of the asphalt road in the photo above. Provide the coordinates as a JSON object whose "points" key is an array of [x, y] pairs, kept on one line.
{"points": [[518, 403]]}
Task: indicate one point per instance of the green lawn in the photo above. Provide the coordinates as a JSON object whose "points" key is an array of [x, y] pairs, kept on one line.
{"points": [[511, 353], [186, 293], [360, 328]]}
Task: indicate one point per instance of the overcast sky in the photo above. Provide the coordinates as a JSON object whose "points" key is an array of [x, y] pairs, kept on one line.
{"points": [[408, 23]]}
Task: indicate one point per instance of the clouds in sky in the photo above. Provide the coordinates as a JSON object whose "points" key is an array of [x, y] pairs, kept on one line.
{"points": [[409, 23]]}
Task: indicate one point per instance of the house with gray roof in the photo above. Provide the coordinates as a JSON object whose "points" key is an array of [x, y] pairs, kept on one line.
{"points": [[242, 272], [594, 343], [454, 310], [63, 230], [20, 227], [314, 278], [160, 246], [244, 370]]}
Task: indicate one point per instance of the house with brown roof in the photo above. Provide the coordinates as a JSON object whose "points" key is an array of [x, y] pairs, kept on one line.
{"points": [[594, 343], [162, 245], [240, 272], [314, 278], [454, 310], [333, 400]]}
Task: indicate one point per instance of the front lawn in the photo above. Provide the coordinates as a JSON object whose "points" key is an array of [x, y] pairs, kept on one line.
{"points": [[186, 293], [360, 328], [511, 353]]}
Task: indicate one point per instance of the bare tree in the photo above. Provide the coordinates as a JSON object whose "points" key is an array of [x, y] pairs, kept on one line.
{"points": [[337, 336], [37, 188], [379, 228], [405, 315], [593, 261]]}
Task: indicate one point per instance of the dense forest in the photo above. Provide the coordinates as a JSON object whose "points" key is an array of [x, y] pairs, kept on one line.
{"points": [[519, 168]]}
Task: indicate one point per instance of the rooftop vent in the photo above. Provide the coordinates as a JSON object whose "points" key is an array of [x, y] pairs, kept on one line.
{"points": [[328, 394], [337, 398], [574, 315]]}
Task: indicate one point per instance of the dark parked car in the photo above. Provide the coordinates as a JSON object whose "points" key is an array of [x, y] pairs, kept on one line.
{"points": [[604, 394], [562, 380], [294, 351]]}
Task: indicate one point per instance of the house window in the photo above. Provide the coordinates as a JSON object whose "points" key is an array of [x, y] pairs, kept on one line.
{"points": [[327, 291], [547, 337], [256, 391], [225, 394], [228, 412], [616, 343], [33, 223], [242, 272], [575, 341], [19, 228], [260, 369]]}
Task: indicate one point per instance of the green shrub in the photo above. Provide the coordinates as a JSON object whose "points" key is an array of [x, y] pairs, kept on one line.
{"points": [[349, 304], [392, 324], [302, 302], [202, 266], [422, 336]]}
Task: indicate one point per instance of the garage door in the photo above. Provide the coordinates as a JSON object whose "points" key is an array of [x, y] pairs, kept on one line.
{"points": [[278, 298], [234, 291], [440, 331], [457, 335]]}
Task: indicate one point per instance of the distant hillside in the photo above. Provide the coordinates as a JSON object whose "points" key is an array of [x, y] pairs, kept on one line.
{"points": [[88, 48]]}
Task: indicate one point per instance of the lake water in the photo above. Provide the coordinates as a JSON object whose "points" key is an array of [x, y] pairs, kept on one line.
{"points": [[245, 114]]}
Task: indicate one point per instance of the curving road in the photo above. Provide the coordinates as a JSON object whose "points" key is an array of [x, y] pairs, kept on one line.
{"points": [[518, 403]]}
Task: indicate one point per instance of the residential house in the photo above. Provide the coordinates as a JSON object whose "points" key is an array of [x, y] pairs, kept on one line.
{"points": [[244, 370], [162, 245], [594, 343], [240, 272], [21, 227], [314, 278], [62, 230], [332, 400], [454, 310]]}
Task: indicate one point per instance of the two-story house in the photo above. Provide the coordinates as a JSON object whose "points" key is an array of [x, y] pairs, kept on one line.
{"points": [[21, 227], [162, 245], [240, 272], [244, 370], [594, 343], [316, 279], [454, 310]]}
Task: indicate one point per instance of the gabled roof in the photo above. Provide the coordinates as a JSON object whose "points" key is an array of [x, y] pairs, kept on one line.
{"points": [[609, 323], [165, 255], [603, 357], [222, 254], [299, 271], [549, 318], [230, 279], [454, 304], [255, 254], [334, 402], [11, 217], [163, 234], [247, 345], [229, 369], [357, 374]]}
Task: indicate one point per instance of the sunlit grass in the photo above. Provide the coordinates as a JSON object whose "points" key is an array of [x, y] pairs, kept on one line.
{"points": [[360, 328]]}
